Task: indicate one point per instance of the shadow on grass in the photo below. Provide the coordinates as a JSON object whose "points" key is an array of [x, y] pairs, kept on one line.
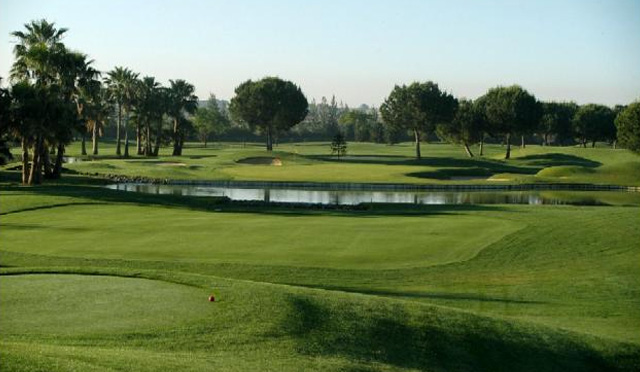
{"points": [[438, 340], [425, 295], [50, 206], [14, 226], [467, 167], [556, 159]]}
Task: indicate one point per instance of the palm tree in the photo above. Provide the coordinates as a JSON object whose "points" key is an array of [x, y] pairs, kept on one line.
{"points": [[96, 109], [34, 50], [122, 84], [150, 109], [41, 61], [181, 100]]}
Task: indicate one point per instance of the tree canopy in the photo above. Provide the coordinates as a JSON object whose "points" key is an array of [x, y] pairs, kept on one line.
{"points": [[209, 120], [466, 128], [418, 108], [508, 111], [628, 126], [594, 122], [271, 105]]}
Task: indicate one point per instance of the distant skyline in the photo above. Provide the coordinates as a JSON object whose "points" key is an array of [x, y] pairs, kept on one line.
{"points": [[581, 50]]}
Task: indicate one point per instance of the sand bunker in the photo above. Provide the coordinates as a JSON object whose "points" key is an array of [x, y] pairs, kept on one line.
{"points": [[261, 160], [171, 164]]}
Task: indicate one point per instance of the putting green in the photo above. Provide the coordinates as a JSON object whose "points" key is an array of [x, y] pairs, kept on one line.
{"points": [[82, 304], [337, 241]]}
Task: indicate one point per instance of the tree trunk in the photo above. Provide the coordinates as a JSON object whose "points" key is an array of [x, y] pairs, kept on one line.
{"points": [[482, 145], [176, 138], [94, 138], [593, 144], [584, 142], [57, 169], [522, 144], [205, 142], [508, 154], [147, 147], [35, 171], [416, 133], [269, 140], [118, 136], [156, 150], [138, 139], [468, 150], [84, 143], [46, 163], [25, 161], [126, 135], [614, 144]]}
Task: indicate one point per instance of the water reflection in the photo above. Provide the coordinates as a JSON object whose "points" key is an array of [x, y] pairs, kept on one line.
{"points": [[353, 197]]}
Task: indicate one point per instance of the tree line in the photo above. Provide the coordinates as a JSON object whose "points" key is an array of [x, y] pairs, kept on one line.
{"points": [[56, 95]]}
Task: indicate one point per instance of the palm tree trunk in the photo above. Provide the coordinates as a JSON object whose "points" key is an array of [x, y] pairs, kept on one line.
{"points": [[156, 150], [94, 138], [35, 171], [118, 137], [126, 135], [138, 139], [46, 162], [176, 138], [147, 146], [482, 145], [508, 154], [522, 144], [84, 144], [416, 134], [25, 161], [57, 169]]}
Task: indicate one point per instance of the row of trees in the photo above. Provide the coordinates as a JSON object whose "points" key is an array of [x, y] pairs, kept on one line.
{"points": [[503, 112], [56, 94]]}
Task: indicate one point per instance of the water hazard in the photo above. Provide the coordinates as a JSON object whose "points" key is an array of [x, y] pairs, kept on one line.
{"points": [[354, 197]]}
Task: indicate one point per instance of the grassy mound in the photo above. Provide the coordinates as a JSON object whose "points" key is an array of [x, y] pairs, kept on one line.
{"points": [[286, 328]]}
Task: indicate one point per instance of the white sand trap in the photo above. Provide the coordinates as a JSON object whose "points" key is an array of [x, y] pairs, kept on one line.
{"points": [[171, 164], [261, 160]]}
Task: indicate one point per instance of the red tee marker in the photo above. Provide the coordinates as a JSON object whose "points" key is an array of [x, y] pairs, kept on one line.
{"points": [[212, 298]]}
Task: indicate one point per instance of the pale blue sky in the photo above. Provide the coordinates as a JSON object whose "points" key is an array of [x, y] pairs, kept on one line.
{"points": [[582, 50]]}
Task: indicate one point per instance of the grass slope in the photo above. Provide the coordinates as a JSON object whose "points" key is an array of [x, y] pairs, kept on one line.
{"points": [[524, 296]]}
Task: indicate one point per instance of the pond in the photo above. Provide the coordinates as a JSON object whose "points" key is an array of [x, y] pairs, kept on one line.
{"points": [[354, 197]]}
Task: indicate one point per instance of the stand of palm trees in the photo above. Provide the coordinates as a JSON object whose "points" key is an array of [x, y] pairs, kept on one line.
{"points": [[56, 94]]}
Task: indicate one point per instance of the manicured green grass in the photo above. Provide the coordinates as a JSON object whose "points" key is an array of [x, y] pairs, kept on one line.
{"points": [[366, 162], [337, 241], [71, 305], [388, 287], [99, 280]]}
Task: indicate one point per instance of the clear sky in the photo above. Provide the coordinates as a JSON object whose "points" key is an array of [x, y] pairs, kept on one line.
{"points": [[581, 50]]}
